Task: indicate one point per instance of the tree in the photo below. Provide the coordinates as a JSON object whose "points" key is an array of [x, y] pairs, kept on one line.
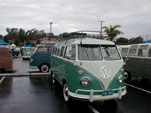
{"points": [[38, 41], [16, 42], [6, 39], [112, 31], [122, 41], [19, 35], [1, 37], [136, 40]]}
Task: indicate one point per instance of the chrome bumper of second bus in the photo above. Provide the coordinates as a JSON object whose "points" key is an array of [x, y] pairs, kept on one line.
{"points": [[93, 97], [33, 67]]}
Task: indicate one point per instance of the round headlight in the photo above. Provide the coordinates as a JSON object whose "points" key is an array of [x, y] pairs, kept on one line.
{"points": [[121, 79], [85, 81]]}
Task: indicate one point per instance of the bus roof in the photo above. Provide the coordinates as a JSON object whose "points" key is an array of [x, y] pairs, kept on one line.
{"points": [[90, 41]]}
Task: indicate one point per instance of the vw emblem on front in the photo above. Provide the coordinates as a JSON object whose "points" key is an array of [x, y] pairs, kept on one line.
{"points": [[105, 72]]}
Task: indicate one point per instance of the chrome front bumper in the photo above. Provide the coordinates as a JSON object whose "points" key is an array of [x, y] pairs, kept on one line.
{"points": [[33, 67], [26, 56], [120, 92]]}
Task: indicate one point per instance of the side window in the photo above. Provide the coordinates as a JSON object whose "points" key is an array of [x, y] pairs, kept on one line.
{"points": [[42, 50], [68, 52], [133, 50], [58, 52], [142, 52], [49, 50], [56, 49], [61, 52], [73, 53], [124, 51], [149, 53], [53, 50]]}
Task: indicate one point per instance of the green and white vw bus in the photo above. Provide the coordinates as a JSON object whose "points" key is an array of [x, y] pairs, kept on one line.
{"points": [[88, 69], [27, 52]]}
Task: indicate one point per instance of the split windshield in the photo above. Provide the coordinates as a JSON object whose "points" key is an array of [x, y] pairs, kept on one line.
{"points": [[97, 52]]}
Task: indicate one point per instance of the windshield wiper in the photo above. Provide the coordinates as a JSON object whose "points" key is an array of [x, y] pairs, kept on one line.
{"points": [[107, 52], [87, 53]]}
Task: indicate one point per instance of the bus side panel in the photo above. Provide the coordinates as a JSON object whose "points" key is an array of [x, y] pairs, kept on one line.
{"points": [[130, 66], [55, 67], [39, 59], [136, 66], [147, 69]]}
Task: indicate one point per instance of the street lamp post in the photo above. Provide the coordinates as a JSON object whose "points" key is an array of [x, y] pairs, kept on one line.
{"points": [[51, 29], [101, 28]]}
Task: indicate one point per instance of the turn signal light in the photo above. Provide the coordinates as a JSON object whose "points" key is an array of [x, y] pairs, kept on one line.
{"points": [[80, 72]]}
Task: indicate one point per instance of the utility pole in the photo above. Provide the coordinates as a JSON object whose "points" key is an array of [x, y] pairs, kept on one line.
{"points": [[50, 30], [101, 28]]}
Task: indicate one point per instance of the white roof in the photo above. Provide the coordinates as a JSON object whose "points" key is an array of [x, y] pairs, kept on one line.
{"points": [[91, 41]]}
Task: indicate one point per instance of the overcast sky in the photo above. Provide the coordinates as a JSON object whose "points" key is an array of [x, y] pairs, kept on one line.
{"points": [[70, 15]]}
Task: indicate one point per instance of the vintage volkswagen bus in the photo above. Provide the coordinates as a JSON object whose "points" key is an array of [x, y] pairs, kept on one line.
{"points": [[6, 61], [88, 69], [138, 60], [27, 52], [41, 58]]}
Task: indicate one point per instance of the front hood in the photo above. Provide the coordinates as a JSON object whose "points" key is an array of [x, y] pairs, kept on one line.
{"points": [[104, 71]]}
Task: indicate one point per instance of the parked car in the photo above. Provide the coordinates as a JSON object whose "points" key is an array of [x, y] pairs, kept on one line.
{"points": [[6, 63], [41, 58]]}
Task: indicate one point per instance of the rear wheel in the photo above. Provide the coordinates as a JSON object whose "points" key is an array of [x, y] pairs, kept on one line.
{"points": [[65, 92], [44, 68]]}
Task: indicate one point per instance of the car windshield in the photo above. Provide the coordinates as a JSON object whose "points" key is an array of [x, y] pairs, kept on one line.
{"points": [[88, 52], [97, 52], [110, 52], [27, 49]]}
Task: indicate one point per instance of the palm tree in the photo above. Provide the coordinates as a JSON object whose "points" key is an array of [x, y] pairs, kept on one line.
{"points": [[112, 31]]}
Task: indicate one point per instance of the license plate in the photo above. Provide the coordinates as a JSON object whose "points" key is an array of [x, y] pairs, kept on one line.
{"points": [[105, 93]]}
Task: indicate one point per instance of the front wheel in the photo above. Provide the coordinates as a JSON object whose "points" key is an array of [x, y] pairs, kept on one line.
{"points": [[65, 92], [44, 68]]}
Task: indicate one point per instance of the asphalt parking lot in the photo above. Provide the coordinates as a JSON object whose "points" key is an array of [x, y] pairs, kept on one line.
{"points": [[38, 95]]}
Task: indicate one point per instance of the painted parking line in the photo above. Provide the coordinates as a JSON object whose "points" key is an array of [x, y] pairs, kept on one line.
{"points": [[2, 79], [138, 88], [93, 109]]}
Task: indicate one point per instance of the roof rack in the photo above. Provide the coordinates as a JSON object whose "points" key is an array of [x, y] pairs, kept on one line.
{"points": [[85, 34]]}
